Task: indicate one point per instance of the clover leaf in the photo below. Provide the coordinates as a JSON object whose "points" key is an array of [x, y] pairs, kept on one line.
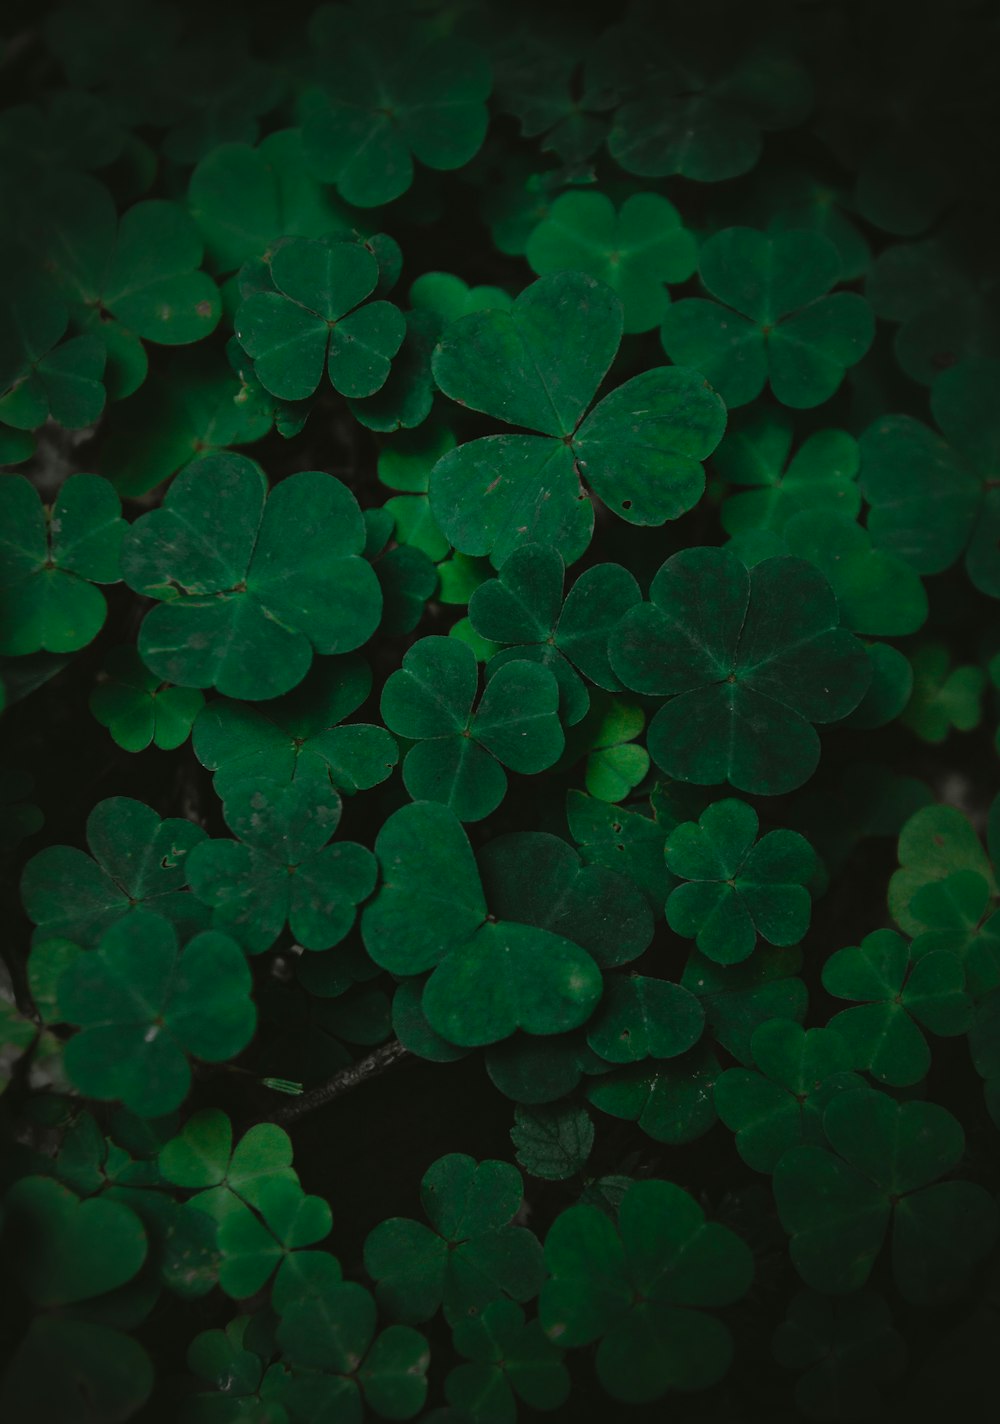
{"points": [[779, 1103], [333, 1330], [281, 868], [640, 1289], [898, 992], [51, 556], [531, 964], [883, 1164], [510, 1359], [776, 321], [42, 376], [144, 1008], [298, 736], [408, 93], [700, 111], [946, 504], [256, 1243], [244, 603], [616, 837], [959, 918], [523, 607], [943, 697], [316, 316], [641, 1017], [460, 754], [935, 843], [539, 366], [138, 708], [821, 474], [536, 69], [202, 1158], [137, 862], [843, 1349], [740, 997], [670, 1100], [244, 199], [737, 887], [751, 658], [470, 1255], [127, 280], [634, 250], [60, 1359]]}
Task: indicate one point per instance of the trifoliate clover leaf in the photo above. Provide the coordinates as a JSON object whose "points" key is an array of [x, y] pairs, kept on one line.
{"points": [[883, 1165], [898, 994], [943, 697], [144, 1008], [491, 975], [468, 1256], [640, 1017], [800, 198], [408, 580], [523, 607], [281, 869], [752, 658], [552, 1142], [130, 279], [740, 997], [737, 887], [245, 601], [460, 754], [298, 736], [510, 1359], [701, 111], [536, 65], [256, 1243], [202, 1158], [317, 317], [640, 1289], [406, 399], [843, 1349], [935, 843], [780, 1102], [138, 708], [195, 406], [821, 474], [777, 321], [62, 1250], [615, 765], [137, 862], [932, 498], [533, 1070], [42, 376], [634, 251], [670, 1100], [408, 93], [333, 1331], [245, 199], [539, 366], [224, 1359], [51, 556]]}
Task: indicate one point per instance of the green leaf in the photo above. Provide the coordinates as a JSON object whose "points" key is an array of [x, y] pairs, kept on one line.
{"points": [[936, 842], [640, 1290], [50, 559], [469, 1256], [62, 1360], [635, 250], [778, 324], [244, 608], [943, 697], [137, 862], [842, 1349], [510, 1358], [737, 887], [640, 1017], [140, 710], [539, 366], [751, 663], [670, 1100], [144, 1008], [821, 474], [552, 1142]]}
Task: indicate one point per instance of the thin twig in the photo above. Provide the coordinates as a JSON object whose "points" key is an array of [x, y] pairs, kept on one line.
{"points": [[345, 1081]]}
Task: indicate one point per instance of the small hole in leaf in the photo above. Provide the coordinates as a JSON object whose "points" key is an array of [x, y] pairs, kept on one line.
{"points": [[626, 504]]}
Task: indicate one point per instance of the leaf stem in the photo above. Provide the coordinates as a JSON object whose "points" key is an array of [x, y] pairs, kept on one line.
{"points": [[376, 1063]]}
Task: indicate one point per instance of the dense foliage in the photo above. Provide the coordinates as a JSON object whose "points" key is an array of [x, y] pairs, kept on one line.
{"points": [[499, 549]]}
